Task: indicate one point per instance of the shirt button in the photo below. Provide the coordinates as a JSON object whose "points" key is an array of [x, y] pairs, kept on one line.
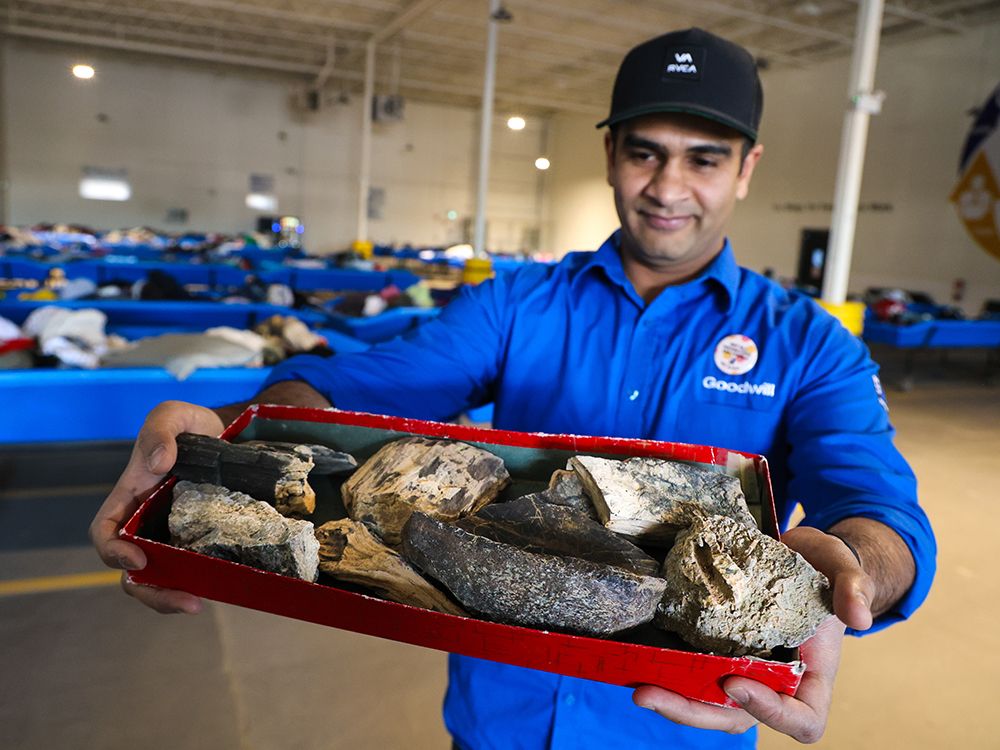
{"points": [[633, 395], [570, 699]]}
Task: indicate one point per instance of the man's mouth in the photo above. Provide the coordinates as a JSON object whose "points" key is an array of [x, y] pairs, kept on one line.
{"points": [[666, 222]]}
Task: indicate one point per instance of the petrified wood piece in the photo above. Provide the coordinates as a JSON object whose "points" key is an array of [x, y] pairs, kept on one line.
{"points": [[504, 583], [649, 500], [326, 460], [222, 523], [735, 591], [274, 474], [535, 525], [442, 478], [348, 551]]}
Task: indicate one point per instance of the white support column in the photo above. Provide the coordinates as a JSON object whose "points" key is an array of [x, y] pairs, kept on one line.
{"points": [[364, 181], [485, 130], [863, 103]]}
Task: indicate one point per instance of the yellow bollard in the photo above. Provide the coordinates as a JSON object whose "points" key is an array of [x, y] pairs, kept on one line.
{"points": [[477, 270], [851, 314], [363, 248]]}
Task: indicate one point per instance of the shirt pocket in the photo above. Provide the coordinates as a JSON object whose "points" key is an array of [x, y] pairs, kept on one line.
{"points": [[738, 392]]}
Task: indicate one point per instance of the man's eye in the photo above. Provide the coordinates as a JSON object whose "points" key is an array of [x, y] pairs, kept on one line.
{"points": [[643, 155], [703, 162]]}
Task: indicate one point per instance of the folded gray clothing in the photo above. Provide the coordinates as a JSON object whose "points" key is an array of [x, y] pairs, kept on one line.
{"points": [[183, 353]]}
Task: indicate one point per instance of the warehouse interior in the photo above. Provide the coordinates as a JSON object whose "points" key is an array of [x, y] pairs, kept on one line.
{"points": [[198, 106]]}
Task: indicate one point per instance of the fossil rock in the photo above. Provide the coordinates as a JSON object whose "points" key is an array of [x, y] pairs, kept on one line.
{"points": [[443, 478], [505, 583], [348, 551], [565, 488], [649, 500], [735, 591], [537, 526], [222, 523], [275, 473]]}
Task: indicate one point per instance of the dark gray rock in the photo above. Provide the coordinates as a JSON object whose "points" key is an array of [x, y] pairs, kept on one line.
{"points": [[504, 583], [275, 473], [537, 526], [233, 526], [565, 488]]}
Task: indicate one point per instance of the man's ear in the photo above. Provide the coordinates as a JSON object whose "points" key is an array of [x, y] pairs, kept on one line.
{"points": [[609, 152], [746, 170]]}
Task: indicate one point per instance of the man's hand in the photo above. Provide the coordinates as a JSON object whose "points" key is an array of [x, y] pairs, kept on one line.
{"points": [[804, 716], [152, 457]]}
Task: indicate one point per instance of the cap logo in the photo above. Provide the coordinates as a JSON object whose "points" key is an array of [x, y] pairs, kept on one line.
{"points": [[683, 62], [736, 354]]}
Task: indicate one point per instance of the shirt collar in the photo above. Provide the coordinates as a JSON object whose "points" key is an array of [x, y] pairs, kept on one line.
{"points": [[723, 272]]}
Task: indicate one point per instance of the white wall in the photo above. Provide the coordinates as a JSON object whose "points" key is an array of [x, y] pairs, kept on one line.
{"points": [[190, 137], [912, 163]]}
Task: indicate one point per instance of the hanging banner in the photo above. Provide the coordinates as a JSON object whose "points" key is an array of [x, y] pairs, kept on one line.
{"points": [[977, 194]]}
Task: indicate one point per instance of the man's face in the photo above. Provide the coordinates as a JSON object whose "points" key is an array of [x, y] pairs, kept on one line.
{"points": [[676, 180]]}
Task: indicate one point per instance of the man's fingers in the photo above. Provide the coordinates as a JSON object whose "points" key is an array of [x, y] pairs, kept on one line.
{"points": [[679, 709], [780, 712], [164, 601], [853, 592]]}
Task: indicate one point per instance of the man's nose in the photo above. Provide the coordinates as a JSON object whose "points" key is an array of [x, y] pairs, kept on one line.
{"points": [[668, 184]]}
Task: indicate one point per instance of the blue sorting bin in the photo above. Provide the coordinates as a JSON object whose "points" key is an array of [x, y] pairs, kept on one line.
{"points": [[73, 405]]}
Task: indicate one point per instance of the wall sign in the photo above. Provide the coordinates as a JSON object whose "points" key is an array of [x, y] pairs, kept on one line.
{"points": [[977, 194]]}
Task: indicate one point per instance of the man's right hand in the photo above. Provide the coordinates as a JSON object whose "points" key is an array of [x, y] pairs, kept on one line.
{"points": [[152, 458]]}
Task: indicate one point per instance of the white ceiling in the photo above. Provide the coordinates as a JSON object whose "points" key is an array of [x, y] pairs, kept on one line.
{"points": [[557, 55]]}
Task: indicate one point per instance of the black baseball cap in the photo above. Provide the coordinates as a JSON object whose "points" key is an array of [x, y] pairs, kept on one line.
{"points": [[690, 71]]}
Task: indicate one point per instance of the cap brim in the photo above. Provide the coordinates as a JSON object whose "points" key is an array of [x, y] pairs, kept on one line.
{"points": [[690, 109]]}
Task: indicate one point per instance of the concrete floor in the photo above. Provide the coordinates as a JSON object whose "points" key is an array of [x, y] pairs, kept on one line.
{"points": [[87, 667]]}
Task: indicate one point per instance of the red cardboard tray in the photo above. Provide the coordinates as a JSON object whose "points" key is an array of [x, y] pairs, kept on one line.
{"points": [[527, 455]]}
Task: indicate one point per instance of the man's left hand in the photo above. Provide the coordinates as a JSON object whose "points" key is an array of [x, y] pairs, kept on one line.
{"points": [[802, 717]]}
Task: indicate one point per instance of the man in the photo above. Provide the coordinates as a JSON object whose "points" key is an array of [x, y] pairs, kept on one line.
{"points": [[660, 335]]}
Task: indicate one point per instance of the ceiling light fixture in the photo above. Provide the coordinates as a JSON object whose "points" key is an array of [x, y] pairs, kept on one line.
{"points": [[542, 163], [516, 123], [85, 72]]}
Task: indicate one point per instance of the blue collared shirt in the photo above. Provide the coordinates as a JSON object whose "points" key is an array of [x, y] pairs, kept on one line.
{"points": [[728, 359]]}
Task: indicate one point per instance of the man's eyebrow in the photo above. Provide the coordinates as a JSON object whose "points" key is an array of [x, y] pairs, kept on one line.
{"points": [[718, 149], [633, 141]]}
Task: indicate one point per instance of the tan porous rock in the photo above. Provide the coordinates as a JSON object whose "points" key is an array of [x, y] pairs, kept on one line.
{"points": [[733, 590], [649, 500], [233, 526], [444, 479]]}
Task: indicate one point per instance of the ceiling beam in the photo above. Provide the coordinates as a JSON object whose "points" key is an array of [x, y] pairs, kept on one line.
{"points": [[294, 17], [94, 9], [187, 53], [509, 98], [901, 11], [403, 19]]}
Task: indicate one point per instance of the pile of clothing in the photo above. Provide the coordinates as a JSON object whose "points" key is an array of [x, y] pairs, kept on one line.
{"points": [[54, 336]]}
